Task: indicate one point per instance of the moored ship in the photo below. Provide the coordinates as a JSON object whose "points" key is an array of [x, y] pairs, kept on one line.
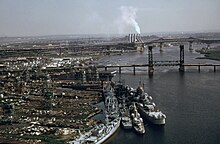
{"points": [[110, 129], [148, 109], [126, 121], [149, 112], [102, 132], [137, 121], [98, 134]]}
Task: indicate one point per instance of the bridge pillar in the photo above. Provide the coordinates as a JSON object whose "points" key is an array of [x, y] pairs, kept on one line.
{"points": [[134, 70], [60, 54], [181, 68], [150, 60], [119, 70], [161, 46], [105, 68], [190, 46], [208, 46], [142, 47]]}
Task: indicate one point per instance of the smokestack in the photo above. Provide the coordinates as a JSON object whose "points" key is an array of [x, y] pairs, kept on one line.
{"points": [[139, 38], [130, 39], [134, 38]]}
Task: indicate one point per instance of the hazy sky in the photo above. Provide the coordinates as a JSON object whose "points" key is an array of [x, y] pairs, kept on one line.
{"points": [[48, 17]]}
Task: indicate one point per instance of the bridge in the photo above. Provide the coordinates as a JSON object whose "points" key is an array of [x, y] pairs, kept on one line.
{"points": [[151, 63], [137, 40], [69, 44], [190, 40], [134, 66]]}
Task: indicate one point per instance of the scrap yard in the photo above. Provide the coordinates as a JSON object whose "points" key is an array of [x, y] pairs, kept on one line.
{"points": [[47, 96], [35, 107]]}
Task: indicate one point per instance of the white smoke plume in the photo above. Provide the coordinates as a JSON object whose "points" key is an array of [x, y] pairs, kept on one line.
{"points": [[129, 16]]}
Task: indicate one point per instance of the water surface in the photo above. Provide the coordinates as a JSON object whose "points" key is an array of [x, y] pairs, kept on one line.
{"points": [[190, 100]]}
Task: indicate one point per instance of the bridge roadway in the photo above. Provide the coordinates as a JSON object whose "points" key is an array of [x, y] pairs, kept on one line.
{"points": [[158, 64], [155, 63], [180, 40]]}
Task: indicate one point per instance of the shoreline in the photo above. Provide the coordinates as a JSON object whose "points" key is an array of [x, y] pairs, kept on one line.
{"points": [[94, 113], [212, 54]]}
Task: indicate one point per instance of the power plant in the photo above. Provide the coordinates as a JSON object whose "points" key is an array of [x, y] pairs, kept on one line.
{"points": [[137, 42], [135, 38]]}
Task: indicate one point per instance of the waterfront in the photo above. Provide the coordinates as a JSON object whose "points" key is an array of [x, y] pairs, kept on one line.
{"points": [[60, 64], [189, 100]]}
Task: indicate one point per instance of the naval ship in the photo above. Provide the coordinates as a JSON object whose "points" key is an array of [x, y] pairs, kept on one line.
{"points": [[126, 121], [137, 121], [148, 109], [101, 133]]}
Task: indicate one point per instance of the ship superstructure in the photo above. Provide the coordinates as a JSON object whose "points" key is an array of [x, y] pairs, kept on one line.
{"points": [[148, 109], [111, 104]]}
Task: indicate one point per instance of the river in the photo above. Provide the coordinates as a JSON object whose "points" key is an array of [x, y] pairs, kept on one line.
{"points": [[190, 100]]}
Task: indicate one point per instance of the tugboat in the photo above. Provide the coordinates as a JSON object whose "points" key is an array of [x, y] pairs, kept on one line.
{"points": [[137, 121]]}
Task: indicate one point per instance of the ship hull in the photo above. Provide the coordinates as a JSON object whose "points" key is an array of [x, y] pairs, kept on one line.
{"points": [[161, 121], [88, 138], [139, 131], [110, 133], [127, 127]]}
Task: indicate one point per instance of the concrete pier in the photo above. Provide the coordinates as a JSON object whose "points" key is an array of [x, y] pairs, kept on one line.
{"points": [[134, 70], [190, 46], [161, 47], [181, 68], [119, 70], [150, 61]]}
